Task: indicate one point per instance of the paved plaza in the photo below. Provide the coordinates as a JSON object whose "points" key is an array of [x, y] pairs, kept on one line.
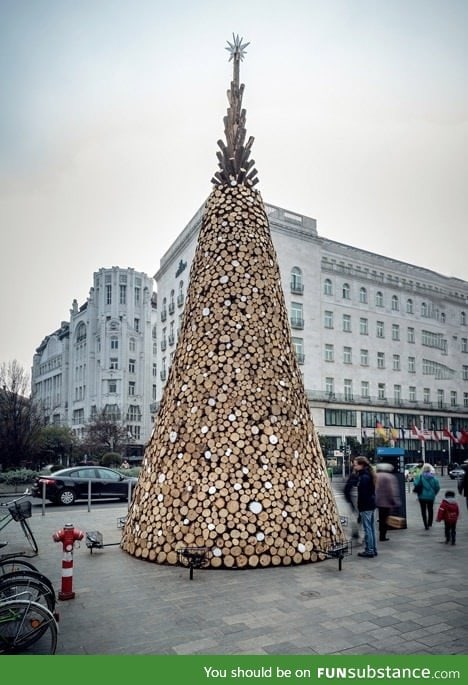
{"points": [[411, 599]]}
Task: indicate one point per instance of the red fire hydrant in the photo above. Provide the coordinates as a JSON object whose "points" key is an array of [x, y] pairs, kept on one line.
{"points": [[67, 535]]}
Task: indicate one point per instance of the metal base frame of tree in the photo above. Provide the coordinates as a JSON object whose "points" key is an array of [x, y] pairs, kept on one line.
{"points": [[234, 464]]}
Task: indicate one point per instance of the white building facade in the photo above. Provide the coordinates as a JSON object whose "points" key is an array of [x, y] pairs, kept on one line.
{"points": [[104, 358], [383, 344]]}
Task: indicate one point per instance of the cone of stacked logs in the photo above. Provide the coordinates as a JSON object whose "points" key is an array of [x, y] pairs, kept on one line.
{"points": [[234, 464]]}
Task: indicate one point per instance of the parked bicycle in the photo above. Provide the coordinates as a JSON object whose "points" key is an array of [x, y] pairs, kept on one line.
{"points": [[19, 510], [28, 624]]}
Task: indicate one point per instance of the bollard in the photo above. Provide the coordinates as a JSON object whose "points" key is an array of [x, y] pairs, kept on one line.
{"points": [[67, 535]]}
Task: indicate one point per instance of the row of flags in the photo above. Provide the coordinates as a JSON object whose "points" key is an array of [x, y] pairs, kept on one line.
{"points": [[457, 437]]}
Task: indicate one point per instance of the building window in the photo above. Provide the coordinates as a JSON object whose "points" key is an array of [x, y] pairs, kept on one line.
{"points": [[381, 391], [131, 365], [411, 364], [465, 399], [327, 287], [347, 323], [427, 395], [464, 344], [340, 417], [171, 307], [465, 373], [365, 389], [298, 344], [123, 294], [453, 398], [423, 309], [381, 360], [164, 309], [364, 357], [155, 369], [297, 319], [396, 362], [397, 393], [346, 291], [136, 325], [412, 393], [380, 329], [131, 388], [155, 349], [137, 296], [411, 335], [131, 344], [348, 389], [330, 387], [409, 307], [364, 326], [463, 318], [379, 302], [297, 286], [113, 363], [180, 296], [347, 355], [112, 386], [154, 394], [363, 296], [114, 343], [329, 353], [328, 319], [395, 331], [134, 413], [108, 294], [395, 304]]}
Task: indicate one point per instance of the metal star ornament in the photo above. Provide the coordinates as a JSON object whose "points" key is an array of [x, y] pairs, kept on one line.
{"points": [[236, 48]]}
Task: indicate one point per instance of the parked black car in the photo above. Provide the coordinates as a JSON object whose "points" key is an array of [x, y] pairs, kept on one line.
{"points": [[67, 485]]}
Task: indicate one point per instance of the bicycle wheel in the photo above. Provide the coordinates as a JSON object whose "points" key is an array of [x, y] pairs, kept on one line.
{"points": [[27, 628], [23, 573], [15, 564], [28, 534], [29, 589]]}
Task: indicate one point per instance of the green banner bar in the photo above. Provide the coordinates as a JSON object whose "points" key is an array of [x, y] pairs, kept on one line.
{"points": [[254, 670]]}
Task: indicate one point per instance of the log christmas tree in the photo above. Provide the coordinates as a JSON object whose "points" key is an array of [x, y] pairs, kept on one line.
{"points": [[234, 463]]}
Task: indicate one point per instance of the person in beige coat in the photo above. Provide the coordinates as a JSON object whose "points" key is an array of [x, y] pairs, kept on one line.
{"points": [[387, 496]]}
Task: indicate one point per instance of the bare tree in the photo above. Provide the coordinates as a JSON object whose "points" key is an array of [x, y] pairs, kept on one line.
{"points": [[20, 418], [105, 433]]}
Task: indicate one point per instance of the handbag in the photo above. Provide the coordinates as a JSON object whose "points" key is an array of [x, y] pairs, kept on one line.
{"points": [[418, 488], [396, 522]]}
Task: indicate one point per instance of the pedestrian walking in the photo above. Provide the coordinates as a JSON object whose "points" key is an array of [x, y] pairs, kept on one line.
{"points": [[366, 504], [387, 496], [350, 495], [463, 484], [426, 486], [449, 512]]}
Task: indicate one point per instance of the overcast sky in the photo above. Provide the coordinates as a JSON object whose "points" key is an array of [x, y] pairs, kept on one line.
{"points": [[111, 110]]}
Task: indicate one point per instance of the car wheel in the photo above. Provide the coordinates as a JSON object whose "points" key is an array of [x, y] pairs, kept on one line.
{"points": [[67, 496]]}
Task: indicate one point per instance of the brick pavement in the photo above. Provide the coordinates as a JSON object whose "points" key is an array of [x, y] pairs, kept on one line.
{"points": [[411, 599]]}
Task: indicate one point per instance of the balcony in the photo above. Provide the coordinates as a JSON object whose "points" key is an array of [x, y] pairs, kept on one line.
{"points": [[297, 288], [297, 322], [171, 338], [180, 299], [171, 307], [163, 315], [163, 345], [162, 375]]}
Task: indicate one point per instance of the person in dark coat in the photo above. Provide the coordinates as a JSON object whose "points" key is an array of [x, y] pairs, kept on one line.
{"points": [[463, 484], [366, 504]]}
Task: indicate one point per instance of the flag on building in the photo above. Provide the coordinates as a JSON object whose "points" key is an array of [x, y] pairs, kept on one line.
{"points": [[393, 432], [416, 433], [380, 430], [448, 434]]}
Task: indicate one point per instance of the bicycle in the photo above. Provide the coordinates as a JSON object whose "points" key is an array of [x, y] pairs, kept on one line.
{"points": [[28, 585], [11, 562], [27, 627], [19, 511]]}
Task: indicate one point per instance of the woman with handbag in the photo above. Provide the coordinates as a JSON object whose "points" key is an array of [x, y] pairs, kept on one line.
{"points": [[426, 486]]}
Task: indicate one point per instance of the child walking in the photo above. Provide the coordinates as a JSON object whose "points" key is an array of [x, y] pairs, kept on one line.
{"points": [[448, 513]]}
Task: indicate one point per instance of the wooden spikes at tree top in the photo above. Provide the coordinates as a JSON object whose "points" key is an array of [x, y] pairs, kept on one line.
{"points": [[232, 163]]}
